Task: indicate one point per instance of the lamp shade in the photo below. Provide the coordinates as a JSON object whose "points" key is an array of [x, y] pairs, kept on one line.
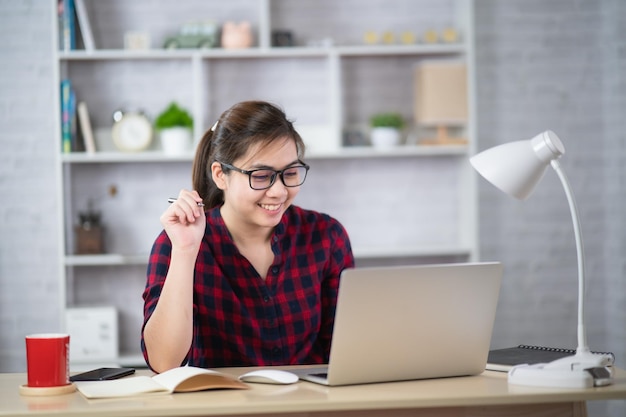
{"points": [[441, 93], [516, 167]]}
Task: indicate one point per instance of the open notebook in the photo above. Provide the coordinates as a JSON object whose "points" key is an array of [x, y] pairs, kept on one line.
{"points": [[411, 322]]}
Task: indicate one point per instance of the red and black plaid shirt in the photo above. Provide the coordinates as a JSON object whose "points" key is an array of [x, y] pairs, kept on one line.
{"points": [[241, 319]]}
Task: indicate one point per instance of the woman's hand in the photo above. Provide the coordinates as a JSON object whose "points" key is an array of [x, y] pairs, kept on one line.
{"points": [[168, 332], [184, 221]]}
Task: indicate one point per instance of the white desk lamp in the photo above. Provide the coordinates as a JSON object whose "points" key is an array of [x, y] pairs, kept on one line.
{"points": [[516, 168]]}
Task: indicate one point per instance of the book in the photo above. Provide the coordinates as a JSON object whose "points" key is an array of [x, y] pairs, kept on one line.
{"points": [[67, 36], [74, 145], [85, 128], [66, 116], [85, 26], [504, 359], [181, 379]]}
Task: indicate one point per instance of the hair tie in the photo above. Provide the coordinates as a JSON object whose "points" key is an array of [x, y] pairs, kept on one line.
{"points": [[214, 126]]}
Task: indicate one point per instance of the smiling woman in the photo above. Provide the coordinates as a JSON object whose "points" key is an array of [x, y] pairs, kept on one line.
{"points": [[248, 278]]}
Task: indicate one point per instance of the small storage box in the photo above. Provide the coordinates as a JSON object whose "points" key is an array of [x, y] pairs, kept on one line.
{"points": [[93, 334]]}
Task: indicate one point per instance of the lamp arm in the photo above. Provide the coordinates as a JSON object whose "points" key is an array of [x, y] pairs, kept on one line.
{"points": [[582, 348]]}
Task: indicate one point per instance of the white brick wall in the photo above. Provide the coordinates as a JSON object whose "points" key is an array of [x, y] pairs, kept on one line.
{"points": [[614, 174], [541, 65], [28, 247], [557, 65]]}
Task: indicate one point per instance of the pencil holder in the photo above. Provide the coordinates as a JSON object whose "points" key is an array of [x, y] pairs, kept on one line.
{"points": [[89, 232], [89, 240]]}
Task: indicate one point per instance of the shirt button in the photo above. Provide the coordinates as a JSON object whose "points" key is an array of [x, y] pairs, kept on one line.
{"points": [[276, 351], [275, 239], [266, 298], [274, 270]]}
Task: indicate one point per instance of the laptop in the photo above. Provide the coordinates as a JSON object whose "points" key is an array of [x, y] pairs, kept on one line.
{"points": [[411, 322]]}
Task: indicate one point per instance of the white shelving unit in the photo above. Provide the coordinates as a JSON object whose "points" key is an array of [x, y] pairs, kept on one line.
{"points": [[406, 204]]}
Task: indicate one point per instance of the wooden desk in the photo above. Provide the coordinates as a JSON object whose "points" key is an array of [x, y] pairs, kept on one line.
{"points": [[485, 395]]}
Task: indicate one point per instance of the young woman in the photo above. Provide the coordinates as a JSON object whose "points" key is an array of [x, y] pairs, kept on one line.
{"points": [[240, 276]]}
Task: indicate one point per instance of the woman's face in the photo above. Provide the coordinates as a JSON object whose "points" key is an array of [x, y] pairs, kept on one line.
{"points": [[258, 208]]}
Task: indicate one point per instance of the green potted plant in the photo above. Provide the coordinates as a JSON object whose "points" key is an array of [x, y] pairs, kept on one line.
{"points": [[385, 129], [174, 125]]}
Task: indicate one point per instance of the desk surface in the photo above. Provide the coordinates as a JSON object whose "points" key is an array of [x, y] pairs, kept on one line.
{"points": [[488, 389]]}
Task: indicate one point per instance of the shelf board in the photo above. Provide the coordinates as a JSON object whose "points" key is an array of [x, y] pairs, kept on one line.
{"points": [[418, 49], [393, 152], [106, 259], [117, 54], [341, 153], [257, 52], [409, 252], [112, 156], [131, 360], [359, 253]]}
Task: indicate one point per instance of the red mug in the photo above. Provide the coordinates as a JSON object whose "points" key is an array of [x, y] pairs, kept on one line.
{"points": [[47, 359]]}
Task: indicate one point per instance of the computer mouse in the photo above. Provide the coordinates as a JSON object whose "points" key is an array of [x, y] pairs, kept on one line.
{"points": [[269, 376]]}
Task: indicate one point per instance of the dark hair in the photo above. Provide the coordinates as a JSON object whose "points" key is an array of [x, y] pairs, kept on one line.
{"points": [[244, 125]]}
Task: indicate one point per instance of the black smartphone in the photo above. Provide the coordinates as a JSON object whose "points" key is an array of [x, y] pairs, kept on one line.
{"points": [[102, 374]]}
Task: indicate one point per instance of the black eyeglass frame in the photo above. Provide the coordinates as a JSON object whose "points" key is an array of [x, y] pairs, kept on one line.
{"points": [[272, 178]]}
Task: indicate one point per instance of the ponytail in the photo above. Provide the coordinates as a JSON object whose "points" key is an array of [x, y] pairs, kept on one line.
{"points": [[201, 177]]}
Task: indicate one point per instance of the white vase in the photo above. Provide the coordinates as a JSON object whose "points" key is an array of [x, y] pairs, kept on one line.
{"points": [[385, 137], [176, 140]]}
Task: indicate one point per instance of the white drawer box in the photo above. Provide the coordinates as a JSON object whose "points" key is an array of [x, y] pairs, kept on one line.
{"points": [[93, 334]]}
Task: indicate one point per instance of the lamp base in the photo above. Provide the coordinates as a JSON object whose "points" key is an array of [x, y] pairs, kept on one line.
{"points": [[583, 370], [443, 138], [539, 376], [444, 141]]}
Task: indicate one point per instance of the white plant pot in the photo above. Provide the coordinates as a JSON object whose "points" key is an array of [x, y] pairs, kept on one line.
{"points": [[385, 137], [176, 140]]}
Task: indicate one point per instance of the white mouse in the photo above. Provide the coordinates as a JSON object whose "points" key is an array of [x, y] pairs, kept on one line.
{"points": [[269, 376]]}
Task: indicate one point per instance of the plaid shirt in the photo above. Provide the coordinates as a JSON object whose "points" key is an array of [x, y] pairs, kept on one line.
{"points": [[243, 320]]}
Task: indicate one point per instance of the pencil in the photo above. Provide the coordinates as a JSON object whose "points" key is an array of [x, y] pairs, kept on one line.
{"points": [[172, 199]]}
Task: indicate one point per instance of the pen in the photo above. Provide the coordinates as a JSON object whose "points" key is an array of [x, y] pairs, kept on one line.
{"points": [[172, 199]]}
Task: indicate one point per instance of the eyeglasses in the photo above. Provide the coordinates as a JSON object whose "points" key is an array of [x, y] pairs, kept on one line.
{"points": [[262, 179]]}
